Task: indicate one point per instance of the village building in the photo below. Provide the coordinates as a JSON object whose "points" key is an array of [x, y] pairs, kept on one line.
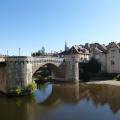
{"points": [[80, 52], [107, 55]]}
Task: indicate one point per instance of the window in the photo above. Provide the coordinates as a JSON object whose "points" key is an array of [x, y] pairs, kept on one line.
{"points": [[112, 50], [81, 59], [112, 62]]}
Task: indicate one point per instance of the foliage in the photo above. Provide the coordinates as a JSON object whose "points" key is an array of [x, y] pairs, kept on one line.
{"points": [[43, 50], [31, 87], [87, 76], [107, 76], [49, 78], [117, 77], [93, 66], [40, 52], [90, 69], [18, 90]]}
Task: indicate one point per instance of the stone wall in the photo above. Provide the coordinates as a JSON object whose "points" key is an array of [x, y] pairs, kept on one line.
{"points": [[113, 60], [3, 77], [72, 68], [18, 72]]}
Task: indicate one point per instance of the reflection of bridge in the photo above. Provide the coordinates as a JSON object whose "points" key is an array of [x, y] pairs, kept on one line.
{"points": [[18, 70], [103, 98], [98, 95]]}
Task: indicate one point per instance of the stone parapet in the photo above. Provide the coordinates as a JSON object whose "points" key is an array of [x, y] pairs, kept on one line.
{"points": [[18, 58]]}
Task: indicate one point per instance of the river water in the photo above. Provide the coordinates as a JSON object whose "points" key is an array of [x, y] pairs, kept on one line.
{"points": [[64, 102]]}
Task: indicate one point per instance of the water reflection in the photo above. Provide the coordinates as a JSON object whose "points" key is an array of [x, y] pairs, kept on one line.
{"points": [[66, 93], [43, 92], [99, 95], [64, 101]]}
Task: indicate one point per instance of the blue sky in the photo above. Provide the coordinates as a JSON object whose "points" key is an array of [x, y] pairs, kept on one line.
{"points": [[31, 24]]}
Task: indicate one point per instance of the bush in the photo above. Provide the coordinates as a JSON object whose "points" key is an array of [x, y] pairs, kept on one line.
{"points": [[89, 69], [117, 77], [31, 87], [49, 78], [18, 90], [87, 77], [93, 66]]}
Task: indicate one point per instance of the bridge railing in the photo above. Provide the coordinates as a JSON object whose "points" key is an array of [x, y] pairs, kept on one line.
{"points": [[43, 56], [52, 59], [31, 59]]}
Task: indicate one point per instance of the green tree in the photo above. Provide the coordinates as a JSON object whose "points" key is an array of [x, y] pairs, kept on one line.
{"points": [[90, 69], [43, 50], [40, 52], [93, 66]]}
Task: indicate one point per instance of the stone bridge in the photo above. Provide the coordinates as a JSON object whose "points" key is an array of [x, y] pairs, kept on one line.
{"points": [[55, 64], [19, 70]]}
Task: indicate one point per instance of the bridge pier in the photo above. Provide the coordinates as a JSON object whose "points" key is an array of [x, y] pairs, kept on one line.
{"points": [[17, 72], [71, 68]]}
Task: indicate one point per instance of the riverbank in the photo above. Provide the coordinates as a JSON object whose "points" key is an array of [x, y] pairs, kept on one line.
{"points": [[106, 82]]}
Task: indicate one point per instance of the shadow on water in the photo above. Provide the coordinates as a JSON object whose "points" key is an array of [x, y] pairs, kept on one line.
{"points": [[64, 101]]}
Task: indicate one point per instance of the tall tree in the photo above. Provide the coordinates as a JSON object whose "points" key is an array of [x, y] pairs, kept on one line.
{"points": [[39, 52], [43, 50]]}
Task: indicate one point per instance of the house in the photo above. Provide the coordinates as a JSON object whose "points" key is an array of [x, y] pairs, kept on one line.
{"points": [[107, 55], [77, 50]]}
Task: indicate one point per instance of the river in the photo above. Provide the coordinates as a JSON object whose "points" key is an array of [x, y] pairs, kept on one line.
{"points": [[64, 102]]}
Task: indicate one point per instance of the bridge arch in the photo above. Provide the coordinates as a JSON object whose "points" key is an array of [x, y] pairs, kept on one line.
{"points": [[54, 68]]}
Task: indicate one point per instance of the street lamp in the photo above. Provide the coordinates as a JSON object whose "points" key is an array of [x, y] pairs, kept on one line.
{"points": [[19, 51], [7, 52]]}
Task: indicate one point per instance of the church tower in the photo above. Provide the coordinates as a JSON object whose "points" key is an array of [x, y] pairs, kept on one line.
{"points": [[66, 47]]}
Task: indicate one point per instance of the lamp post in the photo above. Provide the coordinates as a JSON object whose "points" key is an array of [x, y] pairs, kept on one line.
{"points": [[7, 52], [19, 51]]}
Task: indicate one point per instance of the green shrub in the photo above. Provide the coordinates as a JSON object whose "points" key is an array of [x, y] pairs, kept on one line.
{"points": [[18, 90], [49, 78], [31, 87], [93, 66], [117, 77]]}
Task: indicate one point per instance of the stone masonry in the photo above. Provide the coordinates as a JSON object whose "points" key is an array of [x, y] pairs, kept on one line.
{"points": [[18, 70]]}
